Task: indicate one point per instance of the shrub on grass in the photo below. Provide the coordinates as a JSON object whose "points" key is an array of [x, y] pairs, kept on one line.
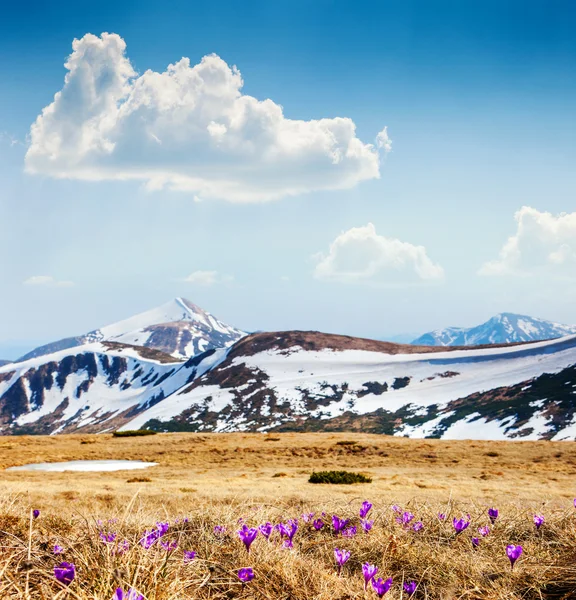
{"points": [[134, 433], [338, 477]]}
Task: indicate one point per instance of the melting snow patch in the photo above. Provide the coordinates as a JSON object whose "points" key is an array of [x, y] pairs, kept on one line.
{"points": [[86, 465]]}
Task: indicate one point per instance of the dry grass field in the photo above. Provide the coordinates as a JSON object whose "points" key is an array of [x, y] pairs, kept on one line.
{"points": [[203, 481]]}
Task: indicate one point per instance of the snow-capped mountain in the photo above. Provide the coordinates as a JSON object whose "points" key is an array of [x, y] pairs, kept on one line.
{"points": [[502, 329], [179, 328], [300, 381]]}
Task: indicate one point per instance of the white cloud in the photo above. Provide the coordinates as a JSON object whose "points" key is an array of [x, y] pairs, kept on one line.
{"points": [[189, 128], [208, 278], [360, 255], [543, 243], [47, 281]]}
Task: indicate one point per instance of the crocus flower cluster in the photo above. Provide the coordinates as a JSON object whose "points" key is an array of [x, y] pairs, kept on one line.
{"points": [[151, 537]]}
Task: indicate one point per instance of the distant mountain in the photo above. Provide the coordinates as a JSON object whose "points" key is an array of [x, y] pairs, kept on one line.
{"points": [[179, 328], [504, 328], [4, 362], [300, 381]]}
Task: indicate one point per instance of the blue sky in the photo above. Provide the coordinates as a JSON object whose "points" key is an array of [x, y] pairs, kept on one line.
{"points": [[478, 99]]}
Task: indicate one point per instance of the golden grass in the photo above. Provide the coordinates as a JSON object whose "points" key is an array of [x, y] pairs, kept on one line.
{"points": [[218, 479]]}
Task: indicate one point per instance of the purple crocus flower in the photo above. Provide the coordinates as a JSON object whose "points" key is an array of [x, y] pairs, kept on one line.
{"points": [[369, 571], [131, 594], [350, 532], [58, 549], [538, 521], [381, 587], [169, 546], [441, 516], [410, 587], [418, 526], [396, 508], [288, 530], [266, 529], [107, 538], [339, 524], [318, 524], [65, 573], [514, 553], [122, 548], [189, 556], [247, 536], [493, 514], [307, 517], [484, 530], [460, 525], [405, 519], [219, 530], [245, 575], [367, 525], [342, 557], [162, 528], [35, 513], [365, 509], [149, 539], [475, 542]]}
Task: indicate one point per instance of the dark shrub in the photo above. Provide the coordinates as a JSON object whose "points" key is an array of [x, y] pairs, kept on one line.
{"points": [[134, 433], [339, 477]]}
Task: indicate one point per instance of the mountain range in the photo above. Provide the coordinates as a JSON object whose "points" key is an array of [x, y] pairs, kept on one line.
{"points": [[504, 328], [177, 368]]}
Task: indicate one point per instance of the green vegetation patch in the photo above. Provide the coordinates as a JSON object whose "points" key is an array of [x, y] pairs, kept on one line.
{"points": [[338, 477]]}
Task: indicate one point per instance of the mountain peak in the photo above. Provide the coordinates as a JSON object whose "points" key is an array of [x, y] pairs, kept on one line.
{"points": [[500, 329], [178, 327]]}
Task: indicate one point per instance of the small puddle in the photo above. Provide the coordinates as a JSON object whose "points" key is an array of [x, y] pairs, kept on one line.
{"points": [[85, 465]]}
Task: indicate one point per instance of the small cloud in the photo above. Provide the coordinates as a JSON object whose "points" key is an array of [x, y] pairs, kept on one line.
{"points": [[47, 281], [361, 256], [208, 278], [542, 244], [9, 139]]}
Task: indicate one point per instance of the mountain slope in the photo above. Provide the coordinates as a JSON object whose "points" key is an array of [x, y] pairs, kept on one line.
{"points": [[298, 380], [178, 327], [306, 380], [501, 329], [90, 388]]}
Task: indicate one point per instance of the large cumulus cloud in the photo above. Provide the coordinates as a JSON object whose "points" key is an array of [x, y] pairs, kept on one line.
{"points": [[189, 128]]}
